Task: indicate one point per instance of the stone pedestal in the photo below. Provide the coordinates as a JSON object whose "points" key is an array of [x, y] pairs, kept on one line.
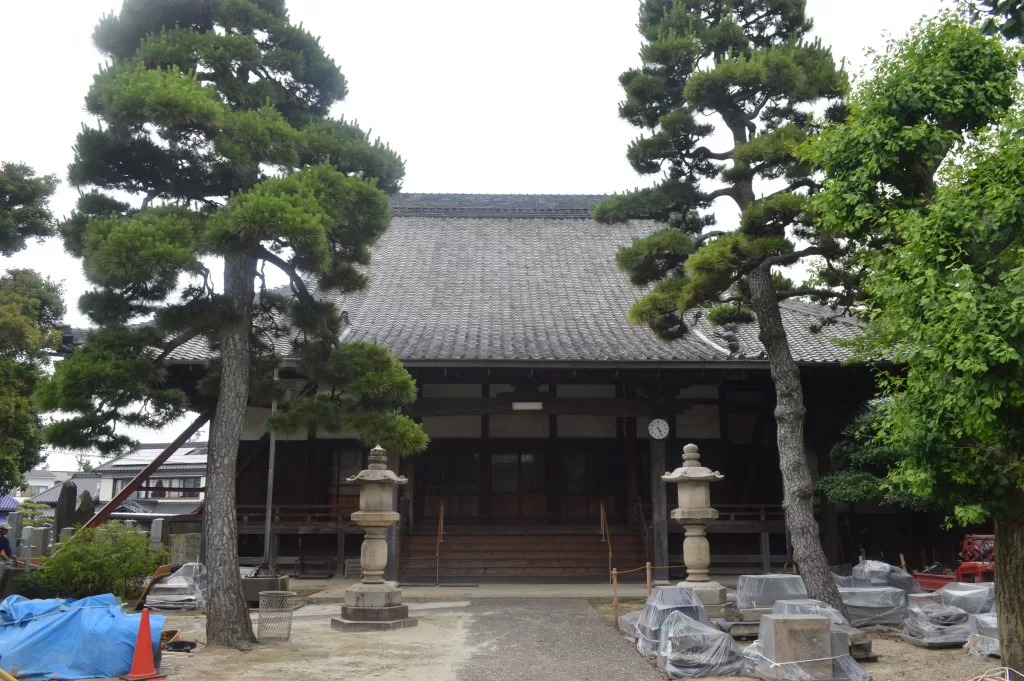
{"points": [[374, 604], [694, 513]]}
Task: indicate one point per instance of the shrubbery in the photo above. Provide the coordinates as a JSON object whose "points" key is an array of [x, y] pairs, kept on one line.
{"points": [[116, 560]]}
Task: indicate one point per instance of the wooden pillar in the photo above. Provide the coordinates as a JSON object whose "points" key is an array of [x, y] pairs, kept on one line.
{"points": [[659, 509], [553, 465], [630, 456], [485, 464], [393, 534]]}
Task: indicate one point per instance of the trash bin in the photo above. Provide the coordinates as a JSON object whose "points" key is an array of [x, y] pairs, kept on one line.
{"points": [[275, 620]]}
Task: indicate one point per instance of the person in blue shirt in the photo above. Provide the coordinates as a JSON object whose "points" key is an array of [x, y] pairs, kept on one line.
{"points": [[6, 551]]}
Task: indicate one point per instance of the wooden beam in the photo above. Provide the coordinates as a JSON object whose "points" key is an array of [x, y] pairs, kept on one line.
{"points": [[559, 406], [146, 472]]}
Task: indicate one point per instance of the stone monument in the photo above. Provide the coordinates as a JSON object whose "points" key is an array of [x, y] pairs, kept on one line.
{"points": [[693, 484], [374, 604]]}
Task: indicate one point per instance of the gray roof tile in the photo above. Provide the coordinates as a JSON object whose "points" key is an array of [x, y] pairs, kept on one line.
{"points": [[505, 278]]}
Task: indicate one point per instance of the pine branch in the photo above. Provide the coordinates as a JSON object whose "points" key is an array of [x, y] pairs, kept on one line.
{"points": [[790, 258], [149, 198], [177, 343], [298, 285], [719, 193], [797, 292], [718, 156], [707, 235]]}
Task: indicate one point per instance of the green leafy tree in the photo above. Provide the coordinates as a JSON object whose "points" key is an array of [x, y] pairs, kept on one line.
{"points": [[215, 117], [924, 175], [24, 213], [31, 308], [745, 68], [1000, 17]]}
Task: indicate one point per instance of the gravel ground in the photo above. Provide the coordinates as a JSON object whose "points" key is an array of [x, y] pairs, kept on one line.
{"points": [[547, 639]]}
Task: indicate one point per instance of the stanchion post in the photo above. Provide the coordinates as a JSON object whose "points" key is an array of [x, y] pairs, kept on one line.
{"points": [[615, 594], [648, 579]]}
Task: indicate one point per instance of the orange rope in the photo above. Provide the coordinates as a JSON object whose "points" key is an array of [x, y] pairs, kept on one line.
{"points": [[653, 567]]}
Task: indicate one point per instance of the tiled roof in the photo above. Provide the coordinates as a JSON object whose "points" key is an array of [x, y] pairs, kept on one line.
{"points": [[8, 504], [190, 458], [84, 482], [486, 278]]}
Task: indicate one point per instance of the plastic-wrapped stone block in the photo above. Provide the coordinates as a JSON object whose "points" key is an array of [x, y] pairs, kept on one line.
{"points": [[984, 639], [761, 591], [795, 648], [847, 581], [976, 599], [627, 624], [662, 602], [933, 625], [809, 606], [876, 605], [689, 649], [883, 574]]}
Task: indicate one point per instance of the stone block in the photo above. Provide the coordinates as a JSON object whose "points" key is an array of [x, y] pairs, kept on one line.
{"points": [[389, 614], [709, 593], [803, 639], [373, 595], [753, 614], [350, 626]]}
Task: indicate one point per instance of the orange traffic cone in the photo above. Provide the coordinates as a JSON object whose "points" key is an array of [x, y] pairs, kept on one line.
{"points": [[142, 661]]}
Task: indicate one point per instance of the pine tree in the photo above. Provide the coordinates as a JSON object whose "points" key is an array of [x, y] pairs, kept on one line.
{"points": [[215, 116], [31, 309], [744, 67]]}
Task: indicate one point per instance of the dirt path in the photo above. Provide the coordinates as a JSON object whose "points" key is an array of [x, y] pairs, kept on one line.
{"points": [[431, 651]]}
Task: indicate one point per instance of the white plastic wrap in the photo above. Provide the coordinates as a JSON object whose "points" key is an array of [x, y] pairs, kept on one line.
{"points": [[809, 606], [848, 581], [662, 602], [984, 640], [876, 605], [976, 599], [761, 591], [883, 574], [832, 660], [186, 589], [689, 649], [933, 625], [627, 624]]}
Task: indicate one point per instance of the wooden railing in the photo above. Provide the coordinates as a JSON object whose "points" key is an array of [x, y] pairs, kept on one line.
{"points": [[338, 514]]}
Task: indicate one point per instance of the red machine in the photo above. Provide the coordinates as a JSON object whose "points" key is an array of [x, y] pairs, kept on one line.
{"points": [[977, 564]]}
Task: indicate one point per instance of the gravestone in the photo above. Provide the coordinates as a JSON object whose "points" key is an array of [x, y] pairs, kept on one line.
{"points": [[788, 639], [85, 510], [67, 533], [64, 512], [156, 535], [14, 520]]}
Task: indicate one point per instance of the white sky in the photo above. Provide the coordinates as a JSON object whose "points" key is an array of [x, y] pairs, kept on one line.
{"points": [[477, 97]]}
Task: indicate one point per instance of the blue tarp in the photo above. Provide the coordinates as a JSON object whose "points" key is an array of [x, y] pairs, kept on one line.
{"points": [[68, 639]]}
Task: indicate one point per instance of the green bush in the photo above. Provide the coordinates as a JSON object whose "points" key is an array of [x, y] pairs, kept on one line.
{"points": [[33, 584], [115, 560]]}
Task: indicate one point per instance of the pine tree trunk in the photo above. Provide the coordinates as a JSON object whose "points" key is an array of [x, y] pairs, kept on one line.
{"points": [[227, 621], [1010, 587], [798, 490]]}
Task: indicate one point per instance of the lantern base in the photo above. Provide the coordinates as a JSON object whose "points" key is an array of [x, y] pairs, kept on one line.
{"points": [[373, 607]]}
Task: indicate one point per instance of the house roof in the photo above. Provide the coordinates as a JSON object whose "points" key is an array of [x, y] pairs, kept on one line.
{"points": [[190, 458], [494, 278], [84, 482]]}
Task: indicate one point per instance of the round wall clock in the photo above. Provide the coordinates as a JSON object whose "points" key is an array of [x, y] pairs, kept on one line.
{"points": [[658, 428]]}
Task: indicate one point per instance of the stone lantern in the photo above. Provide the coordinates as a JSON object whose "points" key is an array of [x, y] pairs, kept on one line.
{"points": [[374, 604], [693, 484]]}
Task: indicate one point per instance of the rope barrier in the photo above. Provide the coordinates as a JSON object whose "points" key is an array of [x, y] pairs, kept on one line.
{"points": [[775, 664]]}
